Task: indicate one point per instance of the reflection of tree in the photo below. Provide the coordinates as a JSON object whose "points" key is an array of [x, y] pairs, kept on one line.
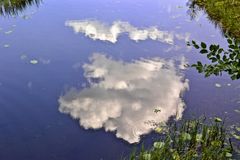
{"points": [[224, 14], [13, 7], [221, 60]]}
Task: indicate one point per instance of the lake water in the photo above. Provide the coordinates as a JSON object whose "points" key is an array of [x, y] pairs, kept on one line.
{"points": [[118, 56]]}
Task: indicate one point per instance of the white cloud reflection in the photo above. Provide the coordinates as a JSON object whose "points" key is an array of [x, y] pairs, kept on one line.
{"points": [[97, 30], [122, 96]]}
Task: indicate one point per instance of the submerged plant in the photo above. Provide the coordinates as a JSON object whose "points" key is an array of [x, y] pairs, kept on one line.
{"points": [[221, 60], [190, 140]]}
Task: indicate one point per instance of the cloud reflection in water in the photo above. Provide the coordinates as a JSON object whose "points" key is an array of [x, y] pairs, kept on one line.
{"points": [[97, 30], [123, 95]]}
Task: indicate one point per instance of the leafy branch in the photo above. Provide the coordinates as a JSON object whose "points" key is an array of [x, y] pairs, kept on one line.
{"points": [[221, 60]]}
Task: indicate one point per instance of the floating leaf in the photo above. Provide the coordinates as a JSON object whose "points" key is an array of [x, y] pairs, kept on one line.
{"points": [[218, 85], [8, 32], [6, 45], [217, 119], [34, 61], [236, 110], [157, 110]]}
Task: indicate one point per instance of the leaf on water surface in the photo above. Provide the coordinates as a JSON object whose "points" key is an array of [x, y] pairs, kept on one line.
{"points": [[236, 110], [34, 61], [22, 57], [6, 45], [157, 110], [8, 32], [217, 119], [218, 85], [179, 7]]}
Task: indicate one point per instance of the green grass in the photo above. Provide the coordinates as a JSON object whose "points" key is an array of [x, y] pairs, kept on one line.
{"points": [[191, 140], [223, 13]]}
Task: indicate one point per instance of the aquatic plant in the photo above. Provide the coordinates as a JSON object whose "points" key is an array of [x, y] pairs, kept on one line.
{"points": [[191, 140], [221, 60]]}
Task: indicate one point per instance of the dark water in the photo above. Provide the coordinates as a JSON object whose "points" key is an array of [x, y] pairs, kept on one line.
{"points": [[31, 127]]}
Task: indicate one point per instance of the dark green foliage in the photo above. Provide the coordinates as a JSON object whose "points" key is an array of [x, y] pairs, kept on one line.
{"points": [[190, 140], [225, 14], [13, 7], [220, 60]]}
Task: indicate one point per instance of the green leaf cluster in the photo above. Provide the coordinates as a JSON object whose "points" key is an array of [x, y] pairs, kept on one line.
{"points": [[190, 140], [221, 60]]}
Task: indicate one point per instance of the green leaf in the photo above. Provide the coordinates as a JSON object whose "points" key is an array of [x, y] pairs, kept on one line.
{"points": [[225, 58], [199, 63], [217, 119], [34, 61], [203, 51], [203, 45], [186, 136], [158, 144], [238, 129], [236, 136], [196, 46], [212, 47], [220, 50], [232, 56], [231, 46], [234, 77], [228, 155], [213, 59], [229, 41], [147, 156]]}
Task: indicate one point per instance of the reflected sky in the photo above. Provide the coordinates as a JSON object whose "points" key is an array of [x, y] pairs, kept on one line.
{"points": [[122, 96], [31, 125]]}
